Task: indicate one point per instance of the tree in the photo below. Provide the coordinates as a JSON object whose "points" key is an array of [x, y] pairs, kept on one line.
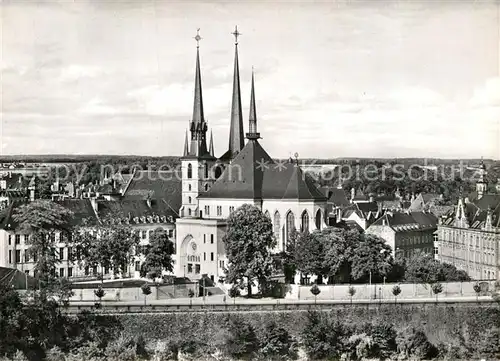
{"points": [[158, 255], [233, 293], [437, 288], [242, 341], [337, 254], [315, 291], [146, 290], [309, 254], [352, 291], [42, 220], [396, 290], [99, 293], [370, 255], [248, 244], [477, 289]]}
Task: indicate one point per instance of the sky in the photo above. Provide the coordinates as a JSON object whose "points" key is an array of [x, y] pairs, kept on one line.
{"points": [[333, 79]]}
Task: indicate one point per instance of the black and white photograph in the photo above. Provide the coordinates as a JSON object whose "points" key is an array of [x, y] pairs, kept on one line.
{"points": [[249, 180]]}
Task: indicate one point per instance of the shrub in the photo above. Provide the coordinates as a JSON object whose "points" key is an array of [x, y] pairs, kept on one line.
{"points": [[414, 343], [277, 343], [384, 340], [489, 344], [323, 339], [55, 354], [243, 341], [190, 293]]}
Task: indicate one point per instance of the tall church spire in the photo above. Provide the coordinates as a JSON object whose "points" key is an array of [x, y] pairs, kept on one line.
{"points": [[252, 118], [236, 139], [198, 126], [186, 147], [211, 146]]}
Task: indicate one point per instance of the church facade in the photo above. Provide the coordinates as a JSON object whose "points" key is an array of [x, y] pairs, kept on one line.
{"points": [[213, 187]]}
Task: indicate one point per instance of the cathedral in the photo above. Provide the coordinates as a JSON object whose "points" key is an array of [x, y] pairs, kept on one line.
{"points": [[213, 187]]}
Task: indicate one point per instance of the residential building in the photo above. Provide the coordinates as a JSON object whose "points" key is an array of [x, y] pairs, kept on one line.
{"points": [[406, 232], [469, 235]]}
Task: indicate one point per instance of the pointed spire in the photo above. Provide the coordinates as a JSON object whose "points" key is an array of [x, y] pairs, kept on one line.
{"points": [[236, 141], [197, 126], [252, 118], [211, 146], [186, 148]]}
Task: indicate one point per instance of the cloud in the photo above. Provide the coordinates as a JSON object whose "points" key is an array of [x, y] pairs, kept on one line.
{"points": [[487, 95], [74, 72]]}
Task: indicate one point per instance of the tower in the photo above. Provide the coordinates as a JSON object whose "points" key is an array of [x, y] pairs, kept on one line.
{"points": [[197, 162], [236, 138], [252, 134], [482, 184]]}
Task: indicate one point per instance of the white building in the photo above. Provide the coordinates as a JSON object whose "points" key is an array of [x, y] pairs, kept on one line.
{"points": [[213, 187]]}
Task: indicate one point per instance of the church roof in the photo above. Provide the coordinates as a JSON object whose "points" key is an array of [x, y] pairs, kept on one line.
{"points": [[337, 196], [254, 175]]}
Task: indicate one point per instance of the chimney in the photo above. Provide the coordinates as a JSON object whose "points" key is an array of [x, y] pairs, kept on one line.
{"points": [[371, 198]]}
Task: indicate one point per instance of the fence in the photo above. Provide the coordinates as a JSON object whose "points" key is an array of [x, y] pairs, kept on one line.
{"points": [[384, 291]]}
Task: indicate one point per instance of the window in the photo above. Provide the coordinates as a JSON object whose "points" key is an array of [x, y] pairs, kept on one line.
{"points": [[70, 253], [10, 256], [197, 269], [52, 237], [206, 171], [137, 266], [35, 257], [212, 239], [189, 211], [277, 225], [212, 278], [18, 238], [10, 239], [204, 238], [26, 256], [70, 271], [170, 232], [61, 272], [190, 268], [219, 210], [211, 256], [190, 171], [87, 270], [290, 225], [207, 210], [231, 209], [204, 256], [18, 256], [144, 234], [221, 264], [206, 187], [150, 233], [189, 187], [61, 253], [189, 200], [304, 222]]}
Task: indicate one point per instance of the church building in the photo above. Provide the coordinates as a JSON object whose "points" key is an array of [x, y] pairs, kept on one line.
{"points": [[213, 187]]}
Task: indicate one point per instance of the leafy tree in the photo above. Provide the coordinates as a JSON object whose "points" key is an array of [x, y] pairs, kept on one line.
{"points": [[248, 242], [396, 290], [370, 255], [146, 290], [315, 291], [423, 268], [413, 343], [158, 255], [233, 293], [477, 289], [309, 254], [352, 291], [338, 254], [437, 288], [99, 293], [44, 219]]}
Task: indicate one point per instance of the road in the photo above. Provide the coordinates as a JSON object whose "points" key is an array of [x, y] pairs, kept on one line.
{"points": [[260, 305]]}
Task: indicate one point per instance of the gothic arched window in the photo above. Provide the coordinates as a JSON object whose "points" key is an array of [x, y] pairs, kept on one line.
{"points": [[267, 214], [290, 225], [304, 222], [190, 171], [318, 219], [218, 172], [189, 200], [276, 224]]}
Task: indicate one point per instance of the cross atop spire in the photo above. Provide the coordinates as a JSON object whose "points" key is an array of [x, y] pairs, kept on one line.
{"points": [[197, 38], [236, 33]]}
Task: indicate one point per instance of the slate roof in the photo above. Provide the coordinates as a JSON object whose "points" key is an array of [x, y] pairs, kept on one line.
{"points": [[477, 211], [165, 185], [337, 197], [254, 175], [131, 209], [407, 221]]}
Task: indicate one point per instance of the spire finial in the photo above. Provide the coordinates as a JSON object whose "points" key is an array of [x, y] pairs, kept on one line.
{"points": [[197, 38], [252, 118], [236, 33]]}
